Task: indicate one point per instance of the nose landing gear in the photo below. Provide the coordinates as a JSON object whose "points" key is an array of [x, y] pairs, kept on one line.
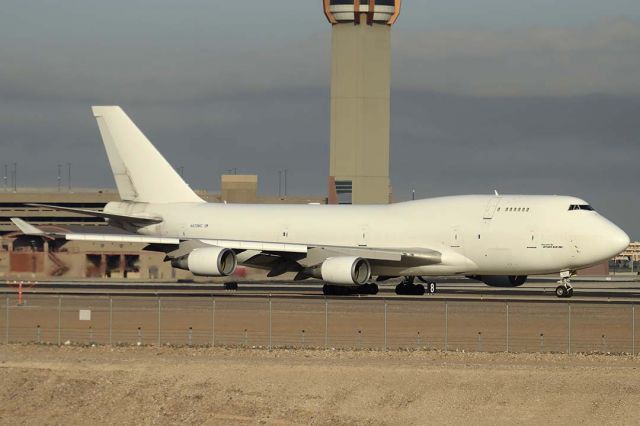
{"points": [[565, 290]]}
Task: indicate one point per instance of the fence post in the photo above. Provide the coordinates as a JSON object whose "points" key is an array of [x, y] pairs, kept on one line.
{"points": [[269, 321], [6, 332], [446, 326], [110, 321], [507, 327], [569, 343], [213, 322], [385, 324], [159, 325], [326, 324], [59, 320]]}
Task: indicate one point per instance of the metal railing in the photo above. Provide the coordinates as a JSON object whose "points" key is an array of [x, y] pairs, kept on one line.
{"points": [[434, 324]]}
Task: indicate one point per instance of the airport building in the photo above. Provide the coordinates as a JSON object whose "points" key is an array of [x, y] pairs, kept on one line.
{"points": [[360, 99]]}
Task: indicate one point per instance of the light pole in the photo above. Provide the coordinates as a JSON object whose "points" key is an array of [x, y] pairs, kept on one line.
{"points": [[69, 177], [15, 177], [59, 177]]}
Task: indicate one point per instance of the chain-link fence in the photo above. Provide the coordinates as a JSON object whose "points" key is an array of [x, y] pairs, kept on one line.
{"points": [[485, 326]]}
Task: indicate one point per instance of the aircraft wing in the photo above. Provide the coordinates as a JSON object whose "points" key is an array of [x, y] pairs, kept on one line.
{"points": [[28, 229], [268, 255], [140, 220]]}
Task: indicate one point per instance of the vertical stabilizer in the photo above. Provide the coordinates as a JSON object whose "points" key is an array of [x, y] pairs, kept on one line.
{"points": [[141, 173]]}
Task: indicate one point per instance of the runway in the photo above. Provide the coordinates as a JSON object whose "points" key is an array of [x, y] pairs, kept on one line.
{"points": [[621, 289]]}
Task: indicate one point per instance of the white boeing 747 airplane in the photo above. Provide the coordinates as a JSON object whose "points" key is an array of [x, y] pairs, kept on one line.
{"points": [[496, 239]]}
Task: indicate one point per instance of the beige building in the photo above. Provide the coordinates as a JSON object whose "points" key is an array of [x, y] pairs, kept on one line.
{"points": [[632, 253], [360, 99]]}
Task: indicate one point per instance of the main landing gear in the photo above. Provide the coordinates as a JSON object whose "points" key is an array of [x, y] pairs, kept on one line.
{"points": [[341, 290], [564, 289], [408, 288]]}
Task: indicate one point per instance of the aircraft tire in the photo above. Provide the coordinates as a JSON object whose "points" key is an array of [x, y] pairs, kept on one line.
{"points": [[562, 291], [339, 290], [403, 289]]}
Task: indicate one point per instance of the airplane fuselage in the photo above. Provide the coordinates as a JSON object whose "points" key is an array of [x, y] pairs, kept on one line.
{"points": [[476, 234]]}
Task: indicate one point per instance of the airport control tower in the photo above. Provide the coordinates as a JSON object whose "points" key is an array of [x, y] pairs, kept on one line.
{"points": [[360, 93]]}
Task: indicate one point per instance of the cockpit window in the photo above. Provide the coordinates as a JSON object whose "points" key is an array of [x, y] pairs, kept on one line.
{"points": [[580, 207]]}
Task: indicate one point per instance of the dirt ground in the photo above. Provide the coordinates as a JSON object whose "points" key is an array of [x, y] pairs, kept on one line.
{"points": [[150, 385]]}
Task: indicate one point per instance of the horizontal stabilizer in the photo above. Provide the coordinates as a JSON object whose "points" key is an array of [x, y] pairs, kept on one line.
{"points": [[26, 228], [140, 220]]}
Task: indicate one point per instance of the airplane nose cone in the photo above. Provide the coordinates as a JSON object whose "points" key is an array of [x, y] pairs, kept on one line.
{"points": [[618, 241]]}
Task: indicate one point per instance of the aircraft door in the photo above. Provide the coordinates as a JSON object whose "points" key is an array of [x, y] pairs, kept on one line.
{"points": [[490, 210]]}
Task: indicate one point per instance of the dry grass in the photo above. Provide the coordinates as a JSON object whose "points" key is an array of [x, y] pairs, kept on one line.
{"points": [[146, 385]]}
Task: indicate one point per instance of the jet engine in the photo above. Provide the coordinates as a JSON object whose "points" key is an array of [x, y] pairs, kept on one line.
{"points": [[345, 270], [208, 261], [501, 280]]}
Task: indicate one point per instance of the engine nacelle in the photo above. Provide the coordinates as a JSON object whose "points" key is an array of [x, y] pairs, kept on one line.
{"points": [[208, 261], [501, 280], [345, 270]]}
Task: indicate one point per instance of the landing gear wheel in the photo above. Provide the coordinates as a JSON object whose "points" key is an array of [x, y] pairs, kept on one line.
{"points": [[367, 289], [565, 289], [372, 288], [334, 290], [562, 291], [408, 288], [402, 289]]}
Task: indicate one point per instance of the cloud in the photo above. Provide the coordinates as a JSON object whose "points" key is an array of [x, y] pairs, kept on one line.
{"points": [[600, 58]]}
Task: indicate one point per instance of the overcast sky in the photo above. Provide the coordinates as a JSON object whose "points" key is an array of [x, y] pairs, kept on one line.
{"points": [[535, 96]]}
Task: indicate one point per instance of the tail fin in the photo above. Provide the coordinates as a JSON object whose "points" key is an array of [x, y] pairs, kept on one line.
{"points": [[142, 174]]}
